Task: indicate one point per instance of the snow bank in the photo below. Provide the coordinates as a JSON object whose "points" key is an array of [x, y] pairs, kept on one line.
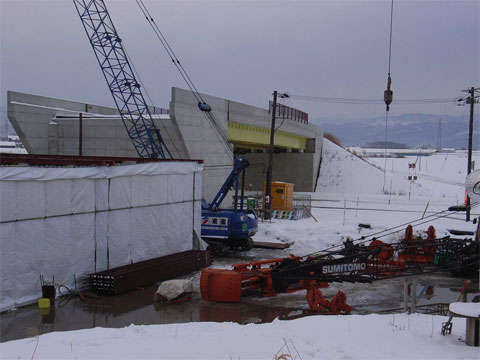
{"points": [[465, 309], [399, 336], [344, 173]]}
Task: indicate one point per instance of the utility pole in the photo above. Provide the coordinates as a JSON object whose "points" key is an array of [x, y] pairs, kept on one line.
{"points": [[470, 100], [439, 135], [80, 135], [268, 186]]}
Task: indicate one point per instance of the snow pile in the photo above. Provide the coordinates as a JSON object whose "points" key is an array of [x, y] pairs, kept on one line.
{"points": [[465, 309], [344, 173], [316, 337]]}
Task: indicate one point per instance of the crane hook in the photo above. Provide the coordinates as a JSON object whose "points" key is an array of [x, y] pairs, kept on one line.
{"points": [[388, 94]]}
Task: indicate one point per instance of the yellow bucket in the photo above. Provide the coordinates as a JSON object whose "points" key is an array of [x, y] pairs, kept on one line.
{"points": [[43, 303]]}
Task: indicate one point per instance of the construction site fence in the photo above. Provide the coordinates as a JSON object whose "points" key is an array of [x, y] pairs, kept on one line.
{"points": [[301, 208]]}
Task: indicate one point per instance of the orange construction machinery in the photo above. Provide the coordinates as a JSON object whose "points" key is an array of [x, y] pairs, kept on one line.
{"points": [[355, 262]]}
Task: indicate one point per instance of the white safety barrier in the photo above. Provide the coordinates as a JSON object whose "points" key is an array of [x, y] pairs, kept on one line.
{"points": [[66, 222]]}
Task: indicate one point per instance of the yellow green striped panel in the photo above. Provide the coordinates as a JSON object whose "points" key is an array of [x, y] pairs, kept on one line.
{"points": [[249, 134]]}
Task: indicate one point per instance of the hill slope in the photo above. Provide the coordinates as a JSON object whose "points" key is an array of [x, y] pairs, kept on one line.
{"points": [[343, 172]]}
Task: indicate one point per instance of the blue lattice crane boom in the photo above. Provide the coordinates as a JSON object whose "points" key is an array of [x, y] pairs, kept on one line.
{"points": [[118, 73]]}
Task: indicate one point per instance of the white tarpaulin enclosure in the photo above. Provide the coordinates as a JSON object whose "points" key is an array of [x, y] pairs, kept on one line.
{"points": [[66, 222]]}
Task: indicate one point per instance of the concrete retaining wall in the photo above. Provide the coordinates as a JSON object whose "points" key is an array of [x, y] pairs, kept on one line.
{"points": [[187, 133]]}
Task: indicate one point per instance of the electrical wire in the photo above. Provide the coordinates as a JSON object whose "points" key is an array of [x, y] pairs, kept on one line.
{"points": [[358, 101], [280, 105], [445, 160]]}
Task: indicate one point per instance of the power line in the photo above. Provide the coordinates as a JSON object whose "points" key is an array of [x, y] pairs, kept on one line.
{"points": [[393, 229], [370, 101]]}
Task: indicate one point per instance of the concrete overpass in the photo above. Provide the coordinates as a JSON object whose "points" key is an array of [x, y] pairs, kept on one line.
{"points": [[51, 126]]}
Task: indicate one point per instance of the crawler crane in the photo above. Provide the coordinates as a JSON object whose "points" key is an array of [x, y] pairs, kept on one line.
{"points": [[354, 263]]}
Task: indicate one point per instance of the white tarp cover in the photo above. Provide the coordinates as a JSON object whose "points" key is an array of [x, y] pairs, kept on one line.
{"points": [[67, 222]]}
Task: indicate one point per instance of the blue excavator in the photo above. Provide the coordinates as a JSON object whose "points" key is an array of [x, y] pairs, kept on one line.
{"points": [[230, 229]]}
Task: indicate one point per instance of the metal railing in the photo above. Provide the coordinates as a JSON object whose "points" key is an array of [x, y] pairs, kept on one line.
{"points": [[300, 203], [287, 112]]}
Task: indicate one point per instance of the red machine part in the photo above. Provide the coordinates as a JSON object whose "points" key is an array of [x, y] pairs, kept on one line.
{"points": [[381, 251], [409, 235], [383, 261], [337, 305], [229, 285], [316, 300], [221, 285], [418, 250], [428, 248]]}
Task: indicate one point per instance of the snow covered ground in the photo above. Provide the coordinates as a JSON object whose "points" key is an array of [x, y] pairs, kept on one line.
{"points": [[350, 191], [398, 336]]}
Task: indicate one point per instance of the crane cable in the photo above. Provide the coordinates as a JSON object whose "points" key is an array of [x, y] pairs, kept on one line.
{"points": [[169, 50], [388, 96], [164, 128], [220, 131]]}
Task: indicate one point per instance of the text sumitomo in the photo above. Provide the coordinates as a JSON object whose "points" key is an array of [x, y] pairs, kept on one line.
{"points": [[340, 268]]}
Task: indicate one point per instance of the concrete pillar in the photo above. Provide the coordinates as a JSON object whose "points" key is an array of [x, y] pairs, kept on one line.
{"points": [[473, 332], [311, 145], [53, 138], [414, 294]]}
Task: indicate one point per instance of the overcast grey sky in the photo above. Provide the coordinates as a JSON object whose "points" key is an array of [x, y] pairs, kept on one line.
{"points": [[243, 50]]}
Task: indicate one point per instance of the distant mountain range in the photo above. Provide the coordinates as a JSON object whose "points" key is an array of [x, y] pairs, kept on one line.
{"points": [[413, 130]]}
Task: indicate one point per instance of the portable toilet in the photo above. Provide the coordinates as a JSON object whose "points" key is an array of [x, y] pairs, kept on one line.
{"points": [[282, 196]]}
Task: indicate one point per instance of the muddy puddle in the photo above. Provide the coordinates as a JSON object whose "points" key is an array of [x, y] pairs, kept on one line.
{"points": [[137, 307]]}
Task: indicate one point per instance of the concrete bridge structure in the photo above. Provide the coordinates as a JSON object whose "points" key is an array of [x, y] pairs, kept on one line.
{"points": [[52, 126]]}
